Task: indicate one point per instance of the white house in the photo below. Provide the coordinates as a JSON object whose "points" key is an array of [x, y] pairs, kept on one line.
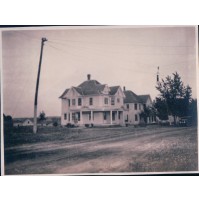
{"points": [[134, 106], [27, 122], [92, 103], [147, 102]]}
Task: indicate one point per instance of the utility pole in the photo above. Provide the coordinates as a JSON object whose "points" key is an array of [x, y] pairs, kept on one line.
{"points": [[158, 75], [43, 40]]}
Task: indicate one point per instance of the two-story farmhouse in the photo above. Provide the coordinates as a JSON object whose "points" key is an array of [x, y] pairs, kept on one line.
{"points": [[93, 103], [134, 106]]}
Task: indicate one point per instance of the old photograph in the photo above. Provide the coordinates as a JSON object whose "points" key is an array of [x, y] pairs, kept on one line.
{"points": [[100, 100]]}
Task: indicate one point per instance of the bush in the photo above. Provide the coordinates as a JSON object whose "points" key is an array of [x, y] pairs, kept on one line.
{"points": [[69, 125], [87, 125], [55, 124]]}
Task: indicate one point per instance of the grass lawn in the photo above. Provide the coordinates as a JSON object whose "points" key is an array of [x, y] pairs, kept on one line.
{"points": [[101, 150]]}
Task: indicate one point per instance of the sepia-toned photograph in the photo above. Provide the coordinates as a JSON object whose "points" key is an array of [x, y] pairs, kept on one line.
{"points": [[100, 100]]}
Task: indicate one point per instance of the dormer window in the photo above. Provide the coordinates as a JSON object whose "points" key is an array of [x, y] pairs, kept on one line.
{"points": [[79, 101], [90, 101], [73, 102], [106, 101], [112, 101]]}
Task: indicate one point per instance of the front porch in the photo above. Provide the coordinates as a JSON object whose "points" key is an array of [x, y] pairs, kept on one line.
{"points": [[109, 117]]}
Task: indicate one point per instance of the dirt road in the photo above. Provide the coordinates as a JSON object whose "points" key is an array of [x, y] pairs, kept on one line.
{"points": [[103, 150]]}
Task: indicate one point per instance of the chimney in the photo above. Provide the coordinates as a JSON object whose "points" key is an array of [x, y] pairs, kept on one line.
{"points": [[89, 76], [124, 88]]}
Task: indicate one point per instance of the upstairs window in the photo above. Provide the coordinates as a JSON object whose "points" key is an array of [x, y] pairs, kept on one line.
{"points": [[127, 106], [139, 106], [135, 106], [112, 101], [106, 101], [118, 100], [90, 101], [73, 101], [79, 101], [65, 116], [68, 102]]}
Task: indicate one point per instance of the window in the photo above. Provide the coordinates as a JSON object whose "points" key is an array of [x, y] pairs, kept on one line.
{"points": [[118, 115], [79, 101], [112, 101], [73, 116], [68, 102], [139, 106], [78, 116], [127, 106], [69, 117], [127, 118], [89, 116], [104, 115], [90, 101], [118, 100], [113, 116], [135, 106], [65, 116], [73, 101], [106, 101], [136, 117]]}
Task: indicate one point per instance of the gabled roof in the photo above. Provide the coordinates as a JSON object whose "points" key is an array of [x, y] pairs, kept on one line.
{"points": [[91, 87], [65, 92], [131, 97], [144, 98], [113, 90]]}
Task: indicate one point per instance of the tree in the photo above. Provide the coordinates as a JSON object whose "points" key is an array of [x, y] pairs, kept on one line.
{"points": [[175, 95], [161, 108], [147, 112], [193, 111], [42, 116]]}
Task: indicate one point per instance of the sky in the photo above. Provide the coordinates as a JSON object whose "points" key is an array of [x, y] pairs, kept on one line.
{"points": [[120, 55]]}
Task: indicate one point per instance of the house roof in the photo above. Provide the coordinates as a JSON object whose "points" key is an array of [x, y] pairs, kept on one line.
{"points": [[144, 98], [113, 89], [131, 97], [91, 87], [64, 93]]}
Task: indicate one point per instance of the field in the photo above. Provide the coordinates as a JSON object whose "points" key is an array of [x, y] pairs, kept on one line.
{"points": [[102, 150]]}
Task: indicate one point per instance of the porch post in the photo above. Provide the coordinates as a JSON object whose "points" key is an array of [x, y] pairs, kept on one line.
{"points": [[111, 117], [81, 118], [71, 117], [117, 117], [91, 116]]}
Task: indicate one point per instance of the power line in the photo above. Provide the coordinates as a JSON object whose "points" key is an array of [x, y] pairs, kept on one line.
{"points": [[113, 51], [121, 44]]}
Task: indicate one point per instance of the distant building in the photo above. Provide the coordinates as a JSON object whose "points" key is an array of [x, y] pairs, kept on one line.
{"points": [[27, 122], [17, 123], [49, 121]]}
